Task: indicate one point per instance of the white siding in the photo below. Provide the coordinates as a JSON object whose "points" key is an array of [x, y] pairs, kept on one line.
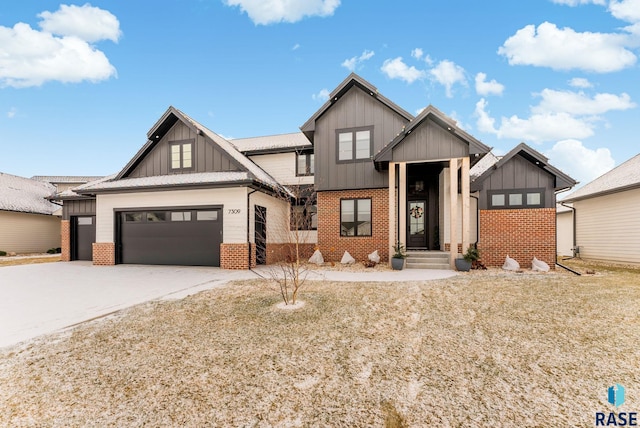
{"points": [[443, 189], [282, 167], [564, 228], [608, 227], [233, 200], [28, 233], [278, 229]]}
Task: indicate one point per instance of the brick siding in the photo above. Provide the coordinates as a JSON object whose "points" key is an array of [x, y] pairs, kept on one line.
{"points": [[521, 234], [104, 253], [333, 246], [283, 252], [65, 240], [236, 256]]}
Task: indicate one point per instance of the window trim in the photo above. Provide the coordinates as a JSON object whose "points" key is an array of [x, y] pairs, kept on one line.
{"points": [[182, 143], [308, 165], [355, 217], [353, 132], [522, 192]]}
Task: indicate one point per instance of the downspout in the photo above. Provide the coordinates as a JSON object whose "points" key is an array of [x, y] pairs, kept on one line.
{"points": [[475, 244], [573, 220]]}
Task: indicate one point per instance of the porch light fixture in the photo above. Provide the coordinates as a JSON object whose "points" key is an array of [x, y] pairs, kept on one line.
{"points": [[419, 186]]}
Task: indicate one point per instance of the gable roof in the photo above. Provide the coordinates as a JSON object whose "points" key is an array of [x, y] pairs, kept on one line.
{"points": [[625, 176], [562, 180], [253, 173], [352, 80], [21, 194], [430, 112], [482, 165], [280, 143]]}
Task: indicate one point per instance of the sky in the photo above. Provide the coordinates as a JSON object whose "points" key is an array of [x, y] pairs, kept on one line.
{"points": [[82, 83]]}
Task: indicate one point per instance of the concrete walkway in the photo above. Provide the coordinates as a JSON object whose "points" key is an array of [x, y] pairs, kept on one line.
{"points": [[42, 298]]}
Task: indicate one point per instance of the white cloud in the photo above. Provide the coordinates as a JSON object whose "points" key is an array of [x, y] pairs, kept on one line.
{"points": [[351, 63], [29, 58], [397, 69], [448, 73], [580, 162], [86, 22], [625, 10], [323, 95], [579, 104], [12, 112], [566, 49], [580, 82], [295, 47], [487, 88], [578, 2], [537, 128], [417, 53], [264, 12]]}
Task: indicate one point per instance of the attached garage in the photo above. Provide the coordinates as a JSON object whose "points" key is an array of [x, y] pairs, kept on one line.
{"points": [[185, 237]]}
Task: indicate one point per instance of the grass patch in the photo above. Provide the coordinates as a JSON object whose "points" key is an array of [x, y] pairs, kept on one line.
{"points": [[12, 261], [480, 349]]}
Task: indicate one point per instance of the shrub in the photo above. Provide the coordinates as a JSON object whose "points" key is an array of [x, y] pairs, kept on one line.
{"points": [[3, 253]]}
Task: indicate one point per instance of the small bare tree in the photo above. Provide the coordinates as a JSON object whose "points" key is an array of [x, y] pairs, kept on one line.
{"points": [[291, 228]]}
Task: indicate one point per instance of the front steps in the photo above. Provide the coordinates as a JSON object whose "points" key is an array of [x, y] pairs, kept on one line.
{"points": [[427, 260]]}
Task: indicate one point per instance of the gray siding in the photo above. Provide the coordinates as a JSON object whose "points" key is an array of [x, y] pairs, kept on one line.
{"points": [[519, 173], [207, 157], [79, 207], [430, 141], [355, 109]]}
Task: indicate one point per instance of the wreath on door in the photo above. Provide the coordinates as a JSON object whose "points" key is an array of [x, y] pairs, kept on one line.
{"points": [[416, 212]]}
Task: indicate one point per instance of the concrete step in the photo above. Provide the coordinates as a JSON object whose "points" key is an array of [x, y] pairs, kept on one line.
{"points": [[427, 260]]}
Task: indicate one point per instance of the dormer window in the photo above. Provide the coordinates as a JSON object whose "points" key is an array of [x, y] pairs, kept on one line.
{"points": [[181, 154], [354, 144]]}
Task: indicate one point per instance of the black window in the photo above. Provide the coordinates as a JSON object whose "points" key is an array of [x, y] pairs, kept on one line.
{"points": [[355, 217], [181, 154], [304, 217], [304, 164], [516, 198], [355, 144]]}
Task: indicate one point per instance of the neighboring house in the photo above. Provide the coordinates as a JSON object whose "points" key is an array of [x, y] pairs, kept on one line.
{"points": [[564, 229], [27, 223], [605, 215], [363, 171]]}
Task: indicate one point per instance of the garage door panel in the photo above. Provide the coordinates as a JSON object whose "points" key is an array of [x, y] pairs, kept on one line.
{"points": [[188, 242]]}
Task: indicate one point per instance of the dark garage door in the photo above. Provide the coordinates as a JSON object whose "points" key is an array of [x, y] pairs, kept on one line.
{"points": [[84, 235], [189, 237]]}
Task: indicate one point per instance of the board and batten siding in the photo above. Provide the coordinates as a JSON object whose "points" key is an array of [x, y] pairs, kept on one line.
{"points": [[519, 173], [608, 227], [78, 207], [354, 109], [429, 142], [28, 233], [206, 155], [233, 200], [282, 167]]}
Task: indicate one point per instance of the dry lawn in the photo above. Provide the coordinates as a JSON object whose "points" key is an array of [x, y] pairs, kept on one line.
{"points": [[480, 349], [15, 261]]}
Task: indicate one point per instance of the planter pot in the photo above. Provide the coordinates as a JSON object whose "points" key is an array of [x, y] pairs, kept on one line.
{"points": [[397, 263], [462, 265]]}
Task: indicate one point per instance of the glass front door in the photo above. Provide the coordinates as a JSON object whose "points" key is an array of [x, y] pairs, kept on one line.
{"points": [[417, 224]]}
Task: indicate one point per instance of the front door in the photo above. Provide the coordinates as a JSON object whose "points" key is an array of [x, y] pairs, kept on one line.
{"points": [[417, 224]]}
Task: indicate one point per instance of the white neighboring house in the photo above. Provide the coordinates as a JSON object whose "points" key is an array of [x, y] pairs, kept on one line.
{"points": [[564, 228], [27, 223], [605, 212]]}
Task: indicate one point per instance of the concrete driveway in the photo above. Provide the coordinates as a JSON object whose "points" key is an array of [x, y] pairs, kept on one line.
{"points": [[43, 298]]}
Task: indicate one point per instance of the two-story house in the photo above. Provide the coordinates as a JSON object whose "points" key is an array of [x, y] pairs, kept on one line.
{"points": [[380, 175]]}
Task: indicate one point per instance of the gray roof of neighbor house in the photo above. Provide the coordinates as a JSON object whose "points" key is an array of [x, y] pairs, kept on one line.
{"points": [[625, 176], [65, 179], [562, 180], [72, 193], [272, 143], [26, 195], [252, 173]]}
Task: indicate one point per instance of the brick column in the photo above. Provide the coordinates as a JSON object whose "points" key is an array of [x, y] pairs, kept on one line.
{"points": [[236, 256], [104, 253], [65, 240]]}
